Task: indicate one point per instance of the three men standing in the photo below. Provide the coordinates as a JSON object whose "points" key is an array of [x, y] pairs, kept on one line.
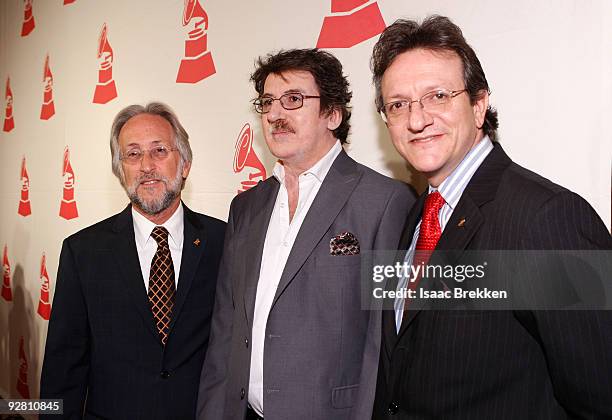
{"points": [[290, 339]]}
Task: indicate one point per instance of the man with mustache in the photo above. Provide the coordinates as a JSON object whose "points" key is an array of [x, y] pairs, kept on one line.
{"points": [[290, 338], [131, 315], [473, 361]]}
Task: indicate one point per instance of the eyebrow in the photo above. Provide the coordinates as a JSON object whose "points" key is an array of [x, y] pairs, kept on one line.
{"points": [[269, 95], [155, 142]]}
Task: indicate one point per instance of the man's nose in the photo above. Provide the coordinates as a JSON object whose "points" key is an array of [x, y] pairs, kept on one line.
{"points": [[418, 118], [146, 163], [276, 112]]}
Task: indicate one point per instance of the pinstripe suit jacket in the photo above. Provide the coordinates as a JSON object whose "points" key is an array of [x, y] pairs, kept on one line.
{"points": [[488, 364]]}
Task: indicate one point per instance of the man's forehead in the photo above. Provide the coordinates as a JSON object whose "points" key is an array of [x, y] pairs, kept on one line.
{"points": [[145, 128], [423, 70], [289, 80]]}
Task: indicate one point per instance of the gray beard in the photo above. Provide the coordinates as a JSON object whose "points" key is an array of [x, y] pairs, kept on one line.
{"points": [[155, 206]]}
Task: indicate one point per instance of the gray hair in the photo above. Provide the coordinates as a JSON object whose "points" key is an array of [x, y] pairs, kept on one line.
{"points": [[181, 138]]}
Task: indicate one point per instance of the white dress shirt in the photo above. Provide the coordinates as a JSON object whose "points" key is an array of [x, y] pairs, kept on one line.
{"points": [[451, 190], [147, 246], [279, 240]]}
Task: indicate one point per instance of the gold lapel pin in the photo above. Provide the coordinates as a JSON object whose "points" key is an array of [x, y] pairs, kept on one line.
{"points": [[197, 242], [461, 223]]}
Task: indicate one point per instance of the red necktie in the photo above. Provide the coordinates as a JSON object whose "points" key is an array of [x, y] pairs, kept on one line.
{"points": [[429, 233], [161, 283]]}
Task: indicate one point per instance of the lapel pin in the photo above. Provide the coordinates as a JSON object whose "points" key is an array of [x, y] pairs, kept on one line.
{"points": [[461, 223], [197, 242]]}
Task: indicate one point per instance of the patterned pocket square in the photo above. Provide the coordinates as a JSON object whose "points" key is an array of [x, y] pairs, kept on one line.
{"points": [[344, 244]]}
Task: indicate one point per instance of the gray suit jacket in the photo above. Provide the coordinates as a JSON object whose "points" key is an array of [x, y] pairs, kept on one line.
{"points": [[321, 350]]}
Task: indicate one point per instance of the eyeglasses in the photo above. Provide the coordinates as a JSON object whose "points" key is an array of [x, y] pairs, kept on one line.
{"points": [[157, 153], [288, 101], [434, 101]]}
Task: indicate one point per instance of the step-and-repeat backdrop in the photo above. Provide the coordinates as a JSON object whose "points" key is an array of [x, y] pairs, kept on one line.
{"points": [[68, 66]]}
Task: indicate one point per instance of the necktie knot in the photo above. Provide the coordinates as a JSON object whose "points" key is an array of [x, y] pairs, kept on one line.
{"points": [[433, 204], [160, 234]]}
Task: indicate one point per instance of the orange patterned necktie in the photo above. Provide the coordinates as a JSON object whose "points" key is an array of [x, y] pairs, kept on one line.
{"points": [[161, 283]]}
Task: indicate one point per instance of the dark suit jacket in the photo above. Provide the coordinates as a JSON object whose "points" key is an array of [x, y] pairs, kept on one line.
{"points": [[321, 348], [495, 364], [103, 355]]}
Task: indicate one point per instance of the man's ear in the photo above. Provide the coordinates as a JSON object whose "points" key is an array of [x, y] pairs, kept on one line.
{"points": [[334, 119], [480, 107], [186, 169]]}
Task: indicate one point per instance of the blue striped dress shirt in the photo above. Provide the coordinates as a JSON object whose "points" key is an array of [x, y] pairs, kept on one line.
{"points": [[451, 190]]}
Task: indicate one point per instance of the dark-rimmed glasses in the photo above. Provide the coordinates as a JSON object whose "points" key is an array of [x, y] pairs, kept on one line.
{"points": [[289, 101]]}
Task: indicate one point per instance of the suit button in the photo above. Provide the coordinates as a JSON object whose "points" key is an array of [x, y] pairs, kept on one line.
{"points": [[393, 408], [246, 342], [164, 374], [242, 393]]}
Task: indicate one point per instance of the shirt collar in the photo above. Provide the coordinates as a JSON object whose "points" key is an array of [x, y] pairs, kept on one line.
{"points": [[143, 227], [319, 169], [453, 186]]}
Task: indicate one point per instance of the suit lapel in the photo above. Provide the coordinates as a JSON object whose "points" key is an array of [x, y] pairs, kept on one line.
{"points": [[261, 211], [125, 253], [337, 187], [194, 244], [457, 236], [389, 329]]}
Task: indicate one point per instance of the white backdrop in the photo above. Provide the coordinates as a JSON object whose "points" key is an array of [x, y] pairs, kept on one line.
{"points": [[549, 65]]}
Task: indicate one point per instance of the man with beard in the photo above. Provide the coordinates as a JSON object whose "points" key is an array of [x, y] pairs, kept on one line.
{"points": [[131, 315], [290, 337]]}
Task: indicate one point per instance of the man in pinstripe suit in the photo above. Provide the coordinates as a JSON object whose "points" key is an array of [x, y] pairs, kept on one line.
{"points": [[433, 95]]}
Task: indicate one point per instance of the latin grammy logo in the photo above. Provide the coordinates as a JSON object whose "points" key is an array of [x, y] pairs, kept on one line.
{"points": [[105, 89], [9, 123], [44, 306], [47, 109], [28, 18], [350, 23], [24, 202], [7, 292], [68, 207], [245, 156], [197, 63]]}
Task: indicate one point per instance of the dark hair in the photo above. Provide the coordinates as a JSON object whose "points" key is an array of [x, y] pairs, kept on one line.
{"points": [[327, 73], [437, 33]]}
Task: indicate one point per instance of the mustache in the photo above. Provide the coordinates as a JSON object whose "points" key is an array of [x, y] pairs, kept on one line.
{"points": [[281, 125], [148, 176]]}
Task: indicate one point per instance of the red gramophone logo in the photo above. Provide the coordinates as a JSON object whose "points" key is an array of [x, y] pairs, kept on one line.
{"points": [[9, 123], [48, 108], [350, 23], [245, 156], [7, 292], [105, 89], [22, 380], [197, 63], [24, 202], [68, 208], [44, 307], [28, 18]]}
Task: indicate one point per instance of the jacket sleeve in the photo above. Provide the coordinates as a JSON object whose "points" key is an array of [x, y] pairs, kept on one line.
{"points": [[211, 394], [66, 362], [577, 343]]}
